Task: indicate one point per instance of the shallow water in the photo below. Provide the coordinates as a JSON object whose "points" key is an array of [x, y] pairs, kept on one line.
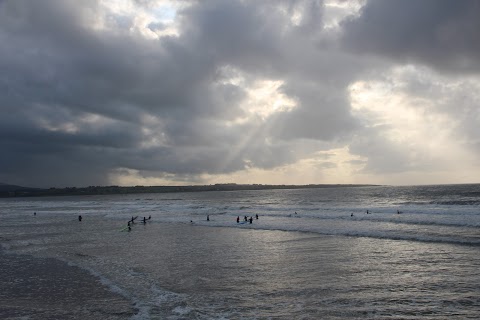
{"points": [[319, 263]]}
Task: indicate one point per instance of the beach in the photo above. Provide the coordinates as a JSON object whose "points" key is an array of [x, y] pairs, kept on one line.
{"points": [[46, 288], [171, 268]]}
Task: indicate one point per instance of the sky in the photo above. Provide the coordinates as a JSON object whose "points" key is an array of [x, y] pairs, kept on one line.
{"points": [[167, 92]]}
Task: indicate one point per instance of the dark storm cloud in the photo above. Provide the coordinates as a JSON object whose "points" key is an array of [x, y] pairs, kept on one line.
{"points": [[56, 71], [77, 100], [78, 103], [439, 33]]}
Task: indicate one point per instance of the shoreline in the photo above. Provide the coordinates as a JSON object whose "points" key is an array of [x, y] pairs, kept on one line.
{"points": [[49, 288], [109, 190]]}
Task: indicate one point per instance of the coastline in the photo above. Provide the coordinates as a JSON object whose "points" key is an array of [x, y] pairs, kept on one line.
{"points": [[16, 191], [47, 288]]}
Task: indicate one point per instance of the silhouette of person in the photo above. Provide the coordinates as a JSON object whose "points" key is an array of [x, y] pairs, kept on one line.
{"points": [[79, 218]]}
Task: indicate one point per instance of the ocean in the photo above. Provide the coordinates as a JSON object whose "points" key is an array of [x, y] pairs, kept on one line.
{"points": [[311, 254]]}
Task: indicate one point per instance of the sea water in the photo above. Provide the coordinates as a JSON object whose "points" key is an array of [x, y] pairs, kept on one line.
{"points": [[311, 254]]}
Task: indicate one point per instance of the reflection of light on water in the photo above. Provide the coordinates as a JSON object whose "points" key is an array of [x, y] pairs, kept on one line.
{"points": [[398, 266], [380, 264]]}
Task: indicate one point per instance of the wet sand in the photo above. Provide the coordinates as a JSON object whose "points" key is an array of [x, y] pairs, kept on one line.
{"points": [[46, 288]]}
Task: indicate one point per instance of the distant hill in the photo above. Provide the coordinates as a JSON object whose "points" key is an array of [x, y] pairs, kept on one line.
{"points": [[17, 191], [5, 187]]}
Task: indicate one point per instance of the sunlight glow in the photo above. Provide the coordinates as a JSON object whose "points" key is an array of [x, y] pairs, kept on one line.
{"points": [[151, 20], [416, 118], [265, 99], [264, 96], [332, 166]]}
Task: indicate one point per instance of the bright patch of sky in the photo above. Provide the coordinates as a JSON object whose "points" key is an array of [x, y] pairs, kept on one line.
{"points": [[337, 10], [151, 19], [264, 97], [413, 108]]}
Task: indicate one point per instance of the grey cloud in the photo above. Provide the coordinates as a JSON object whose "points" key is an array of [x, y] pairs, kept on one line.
{"points": [[323, 114], [56, 71], [438, 33], [384, 157]]}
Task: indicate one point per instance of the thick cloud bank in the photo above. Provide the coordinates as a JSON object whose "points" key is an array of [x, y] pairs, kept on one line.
{"points": [[151, 92]]}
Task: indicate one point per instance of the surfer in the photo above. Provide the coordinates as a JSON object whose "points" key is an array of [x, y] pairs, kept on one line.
{"points": [[245, 218], [144, 220], [256, 216], [79, 218], [208, 217], [351, 215], [251, 219], [149, 217], [238, 219]]}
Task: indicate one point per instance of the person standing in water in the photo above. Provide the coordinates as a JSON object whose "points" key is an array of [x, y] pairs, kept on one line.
{"points": [[208, 217], [79, 218], [238, 219]]}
